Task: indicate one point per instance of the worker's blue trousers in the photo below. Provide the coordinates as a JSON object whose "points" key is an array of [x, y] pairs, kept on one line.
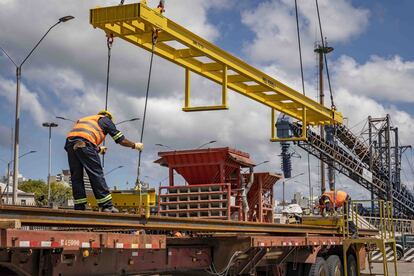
{"points": [[83, 155]]}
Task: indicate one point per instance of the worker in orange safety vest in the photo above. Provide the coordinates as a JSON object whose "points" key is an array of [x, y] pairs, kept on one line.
{"points": [[327, 199], [83, 144], [326, 205]]}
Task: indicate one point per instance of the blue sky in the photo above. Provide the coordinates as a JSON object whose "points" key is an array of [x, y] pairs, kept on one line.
{"points": [[66, 76]]}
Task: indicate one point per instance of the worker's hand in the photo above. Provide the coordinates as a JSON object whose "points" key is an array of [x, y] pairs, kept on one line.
{"points": [[139, 146], [102, 149]]}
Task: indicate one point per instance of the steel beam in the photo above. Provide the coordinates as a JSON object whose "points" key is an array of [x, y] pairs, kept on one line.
{"points": [[197, 55], [30, 216]]}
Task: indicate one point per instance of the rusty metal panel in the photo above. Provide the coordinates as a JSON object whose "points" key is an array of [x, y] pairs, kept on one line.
{"points": [[201, 166], [130, 241], [184, 258], [286, 241], [107, 261], [75, 240]]}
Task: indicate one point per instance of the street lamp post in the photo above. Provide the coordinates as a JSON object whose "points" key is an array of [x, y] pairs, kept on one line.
{"points": [[65, 119], [50, 126], [284, 181], [114, 169], [8, 175], [126, 121], [73, 121], [17, 115], [165, 146], [264, 162], [208, 143]]}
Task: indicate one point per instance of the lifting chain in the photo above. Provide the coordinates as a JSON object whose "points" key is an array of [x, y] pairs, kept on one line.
{"points": [[109, 44]]}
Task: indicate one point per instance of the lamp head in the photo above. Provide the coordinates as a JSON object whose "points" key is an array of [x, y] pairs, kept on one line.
{"points": [[66, 18]]}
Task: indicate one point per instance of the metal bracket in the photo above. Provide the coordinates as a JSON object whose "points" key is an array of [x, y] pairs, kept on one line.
{"points": [[187, 106], [274, 138]]}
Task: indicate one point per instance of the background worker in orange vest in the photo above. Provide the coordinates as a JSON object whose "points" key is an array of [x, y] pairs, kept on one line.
{"points": [[83, 148], [326, 205], [326, 201]]}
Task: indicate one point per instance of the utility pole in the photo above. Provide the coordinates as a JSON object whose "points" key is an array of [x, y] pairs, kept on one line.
{"points": [[321, 51], [16, 145]]}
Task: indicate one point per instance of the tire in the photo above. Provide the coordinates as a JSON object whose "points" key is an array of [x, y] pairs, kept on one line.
{"points": [[335, 267], [319, 268], [352, 266], [299, 271], [400, 254]]}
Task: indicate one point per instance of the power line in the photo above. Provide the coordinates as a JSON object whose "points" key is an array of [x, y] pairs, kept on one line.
{"points": [[300, 48], [324, 54]]}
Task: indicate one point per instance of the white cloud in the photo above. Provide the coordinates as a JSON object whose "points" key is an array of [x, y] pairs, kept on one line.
{"points": [[29, 99], [273, 23], [379, 78]]}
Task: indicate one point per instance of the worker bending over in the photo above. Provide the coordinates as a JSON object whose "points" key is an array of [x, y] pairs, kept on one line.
{"points": [[326, 201], [83, 148], [326, 205]]}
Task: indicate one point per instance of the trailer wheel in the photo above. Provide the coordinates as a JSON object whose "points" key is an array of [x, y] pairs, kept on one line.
{"points": [[334, 266], [352, 266], [319, 268], [296, 270], [400, 254]]}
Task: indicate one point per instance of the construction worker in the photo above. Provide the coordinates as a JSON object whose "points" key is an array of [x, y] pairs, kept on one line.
{"points": [[326, 205], [326, 201], [83, 148]]}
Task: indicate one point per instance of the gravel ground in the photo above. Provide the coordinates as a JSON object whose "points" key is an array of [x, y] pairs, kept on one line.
{"points": [[404, 269]]}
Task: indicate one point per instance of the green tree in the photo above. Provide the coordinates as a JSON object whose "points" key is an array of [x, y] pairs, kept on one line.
{"points": [[59, 193]]}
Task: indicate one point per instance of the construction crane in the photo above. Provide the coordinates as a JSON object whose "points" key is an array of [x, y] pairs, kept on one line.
{"points": [[137, 23]]}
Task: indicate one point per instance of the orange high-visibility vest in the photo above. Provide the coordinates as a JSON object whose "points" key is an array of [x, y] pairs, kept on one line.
{"points": [[89, 129], [340, 197]]}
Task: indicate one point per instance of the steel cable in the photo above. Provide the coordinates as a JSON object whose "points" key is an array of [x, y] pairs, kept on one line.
{"points": [[145, 107], [324, 55]]}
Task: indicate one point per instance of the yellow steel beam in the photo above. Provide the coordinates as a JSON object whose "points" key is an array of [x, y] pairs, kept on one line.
{"points": [[135, 23]]}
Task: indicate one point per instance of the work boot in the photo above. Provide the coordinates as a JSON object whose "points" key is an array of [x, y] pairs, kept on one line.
{"points": [[80, 207], [111, 209]]}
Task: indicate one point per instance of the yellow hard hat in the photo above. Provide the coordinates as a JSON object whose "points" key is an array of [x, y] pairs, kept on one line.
{"points": [[106, 113]]}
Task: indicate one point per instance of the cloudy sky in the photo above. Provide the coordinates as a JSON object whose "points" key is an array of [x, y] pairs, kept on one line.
{"points": [[372, 74]]}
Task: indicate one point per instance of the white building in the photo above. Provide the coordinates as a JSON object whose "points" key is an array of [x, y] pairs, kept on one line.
{"points": [[65, 177], [23, 198]]}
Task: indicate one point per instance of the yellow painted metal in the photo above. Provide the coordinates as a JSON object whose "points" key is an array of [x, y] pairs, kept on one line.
{"points": [[333, 221], [129, 201], [273, 124], [187, 88], [386, 230], [187, 102], [135, 23]]}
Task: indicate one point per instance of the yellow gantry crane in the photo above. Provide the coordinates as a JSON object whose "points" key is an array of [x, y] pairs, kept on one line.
{"points": [[137, 24]]}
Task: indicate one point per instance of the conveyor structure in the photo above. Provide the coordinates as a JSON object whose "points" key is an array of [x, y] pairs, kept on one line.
{"points": [[352, 159]]}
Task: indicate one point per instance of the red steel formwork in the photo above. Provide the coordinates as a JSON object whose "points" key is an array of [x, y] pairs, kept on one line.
{"points": [[206, 166], [260, 197], [214, 177], [209, 169]]}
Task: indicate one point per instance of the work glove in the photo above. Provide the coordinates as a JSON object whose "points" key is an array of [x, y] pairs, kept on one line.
{"points": [[139, 146], [102, 150]]}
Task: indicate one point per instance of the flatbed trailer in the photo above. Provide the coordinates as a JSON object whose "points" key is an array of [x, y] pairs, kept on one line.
{"points": [[41, 241]]}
